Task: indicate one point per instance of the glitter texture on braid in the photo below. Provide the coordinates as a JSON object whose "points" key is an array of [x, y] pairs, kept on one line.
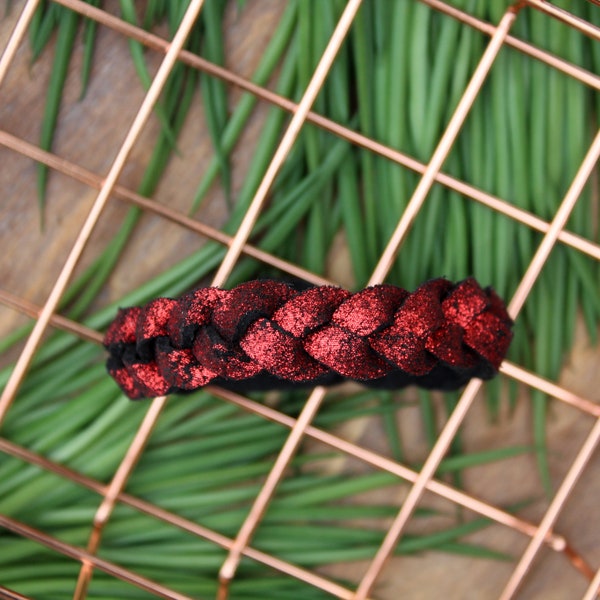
{"points": [[270, 335]]}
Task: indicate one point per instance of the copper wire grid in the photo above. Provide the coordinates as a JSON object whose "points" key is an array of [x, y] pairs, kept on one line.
{"points": [[301, 427]]}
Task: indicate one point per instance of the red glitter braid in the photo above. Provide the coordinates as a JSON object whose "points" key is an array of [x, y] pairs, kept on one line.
{"points": [[267, 334]]}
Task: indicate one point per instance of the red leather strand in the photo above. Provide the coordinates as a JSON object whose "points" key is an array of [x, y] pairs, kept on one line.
{"points": [[267, 334]]}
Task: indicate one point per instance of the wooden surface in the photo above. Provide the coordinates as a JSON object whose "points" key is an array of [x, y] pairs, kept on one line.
{"points": [[90, 132]]}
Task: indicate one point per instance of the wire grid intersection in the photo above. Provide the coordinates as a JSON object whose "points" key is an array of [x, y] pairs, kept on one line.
{"points": [[301, 427]]}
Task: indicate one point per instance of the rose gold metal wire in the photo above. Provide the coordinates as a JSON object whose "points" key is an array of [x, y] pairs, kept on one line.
{"points": [[93, 180], [507, 368], [382, 268], [287, 141], [463, 188], [442, 150], [553, 511], [180, 522], [395, 531], [131, 457], [445, 438], [229, 567], [17, 35], [556, 542], [99, 563], [550, 59], [114, 489], [135, 449], [566, 17], [577, 562], [543, 385], [593, 590], [80, 174], [6, 594], [33, 311], [154, 41], [354, 137], [560, 220], [515, 305], [62, 280]]}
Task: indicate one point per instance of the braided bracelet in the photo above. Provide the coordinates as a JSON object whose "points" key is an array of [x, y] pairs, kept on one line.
{"points": [[268, 334]]}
